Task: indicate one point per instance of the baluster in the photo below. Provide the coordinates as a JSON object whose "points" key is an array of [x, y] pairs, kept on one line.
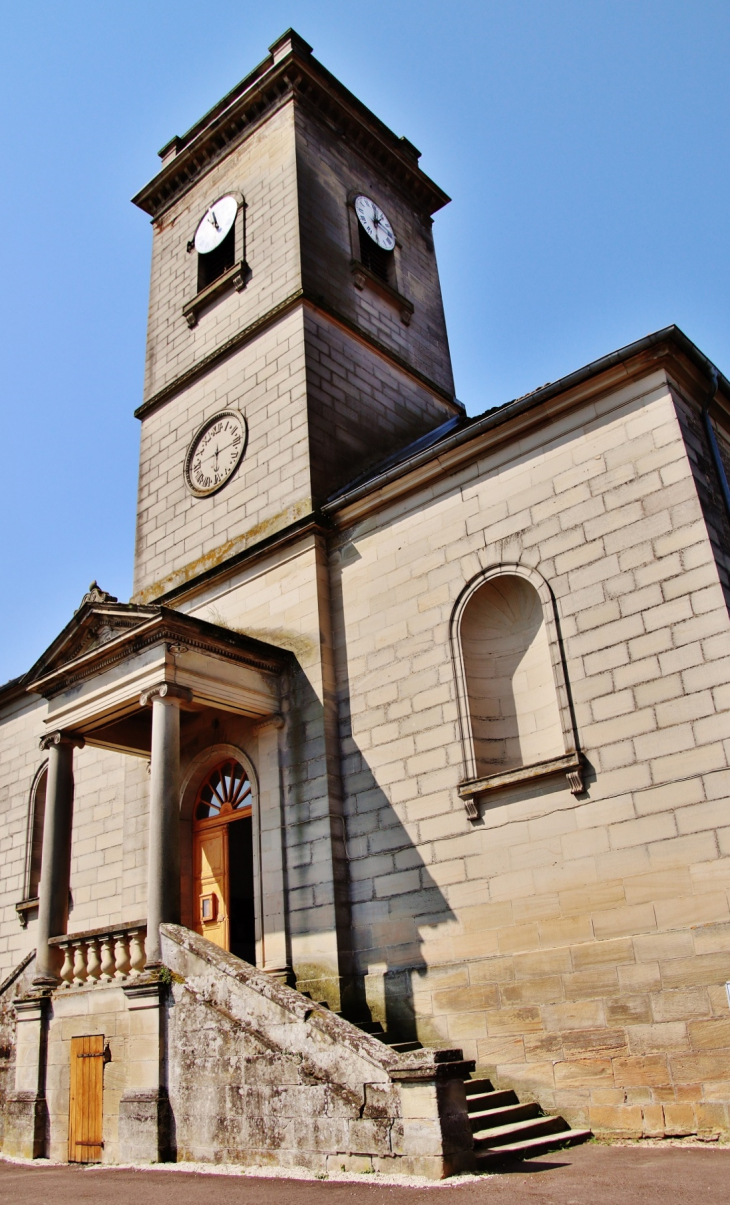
{"points": [[107, 958], [93, 961], [136, 951], [121, 955], [79, 963], [67, 970]]}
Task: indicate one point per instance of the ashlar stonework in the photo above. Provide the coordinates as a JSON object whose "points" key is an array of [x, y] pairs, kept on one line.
{"points": [[390, 814]]}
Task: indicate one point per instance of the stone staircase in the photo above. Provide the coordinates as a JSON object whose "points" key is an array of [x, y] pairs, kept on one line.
{"points": [[503, 1128]]}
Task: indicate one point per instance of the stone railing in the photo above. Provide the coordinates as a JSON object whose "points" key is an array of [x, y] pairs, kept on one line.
{"points": [[102, 956]]}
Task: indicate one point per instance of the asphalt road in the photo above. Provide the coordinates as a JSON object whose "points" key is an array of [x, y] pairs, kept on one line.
{"points": [[588, 1175]]}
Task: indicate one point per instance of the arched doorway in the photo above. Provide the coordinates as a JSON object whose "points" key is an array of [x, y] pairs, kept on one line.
{"points": [[223, 869]]}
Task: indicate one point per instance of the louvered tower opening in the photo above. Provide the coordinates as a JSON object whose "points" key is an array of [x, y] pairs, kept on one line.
{"points": [[374, 257], [214, 263]]}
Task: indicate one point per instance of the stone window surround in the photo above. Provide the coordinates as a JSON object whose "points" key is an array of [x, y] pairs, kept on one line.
{"points": [[236, 277], [362, 276], [474, 786], [29, 899]]}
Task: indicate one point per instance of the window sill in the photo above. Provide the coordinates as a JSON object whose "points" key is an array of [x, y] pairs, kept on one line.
{"points": [[570, 764], [236, 278], [363, 276], [24, 907]]}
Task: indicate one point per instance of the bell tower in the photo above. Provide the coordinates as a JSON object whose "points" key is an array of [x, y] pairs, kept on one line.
{"points": [[295, 308]]}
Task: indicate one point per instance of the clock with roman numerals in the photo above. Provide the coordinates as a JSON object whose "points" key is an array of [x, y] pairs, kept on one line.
{"points": [[215, 452]]}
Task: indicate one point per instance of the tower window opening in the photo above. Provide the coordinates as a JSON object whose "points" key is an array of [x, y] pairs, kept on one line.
{"points": [[214, 263], [374, 257]]}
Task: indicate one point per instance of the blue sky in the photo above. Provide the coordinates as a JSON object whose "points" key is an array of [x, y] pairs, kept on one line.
{"points": [[585, 146]]}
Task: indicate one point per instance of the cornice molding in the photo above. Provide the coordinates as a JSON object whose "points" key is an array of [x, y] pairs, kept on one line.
{"points": [[311, 524], [296, 75], [244, 336], [165, 627]]}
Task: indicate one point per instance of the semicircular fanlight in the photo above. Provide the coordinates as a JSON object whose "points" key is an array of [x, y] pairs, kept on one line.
{"points": [[226, 789]]}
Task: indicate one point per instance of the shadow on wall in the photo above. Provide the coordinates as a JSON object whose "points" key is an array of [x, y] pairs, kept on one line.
{"points": [[393, 896]]}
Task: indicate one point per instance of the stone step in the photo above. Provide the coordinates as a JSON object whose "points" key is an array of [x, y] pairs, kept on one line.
{"points": [[529, 1148], [516, 1131], [490, 1100], [404, 1047], [490, 1118], [475, 1087]]}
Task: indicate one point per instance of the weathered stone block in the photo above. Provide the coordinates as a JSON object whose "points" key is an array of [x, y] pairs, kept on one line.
{"points": [[146, 1127]]}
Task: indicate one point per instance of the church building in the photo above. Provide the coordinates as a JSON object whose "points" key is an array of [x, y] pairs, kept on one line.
{"points": [[386, 826]]}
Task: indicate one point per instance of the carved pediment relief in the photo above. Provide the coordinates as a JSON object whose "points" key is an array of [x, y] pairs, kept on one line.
{"points": [[95, 594]]}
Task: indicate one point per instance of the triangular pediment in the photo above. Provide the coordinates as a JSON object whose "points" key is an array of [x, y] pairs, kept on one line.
{"points": [[99, 619]]}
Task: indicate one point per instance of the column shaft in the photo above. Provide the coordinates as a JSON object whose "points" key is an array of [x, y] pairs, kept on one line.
{"points": [[163, 868], [56, 857]]}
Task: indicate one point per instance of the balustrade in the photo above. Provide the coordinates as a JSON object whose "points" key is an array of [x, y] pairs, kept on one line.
{"points": [[102, 957]]}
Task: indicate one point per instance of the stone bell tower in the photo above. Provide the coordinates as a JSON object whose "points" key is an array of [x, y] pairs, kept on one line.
{"points": [[296, 337], [333, 349]]}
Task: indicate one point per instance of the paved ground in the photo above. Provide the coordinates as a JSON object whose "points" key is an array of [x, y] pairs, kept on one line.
{"points": [[588, 1175]]}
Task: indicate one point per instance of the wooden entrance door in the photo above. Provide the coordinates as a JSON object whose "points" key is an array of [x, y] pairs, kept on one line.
{"points": [[85, 1140], [224, 797]]}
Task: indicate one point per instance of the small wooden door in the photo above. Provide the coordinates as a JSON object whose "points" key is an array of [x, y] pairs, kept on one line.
{"points": [[85, 1099]]}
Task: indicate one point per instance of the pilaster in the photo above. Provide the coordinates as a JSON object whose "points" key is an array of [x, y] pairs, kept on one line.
{"points": [[146, 1129]]}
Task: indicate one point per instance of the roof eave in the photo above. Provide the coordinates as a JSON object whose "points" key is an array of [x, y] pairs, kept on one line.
{"points": [[499, 416]]}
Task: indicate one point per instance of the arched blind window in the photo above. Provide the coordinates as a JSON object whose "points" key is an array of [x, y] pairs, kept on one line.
{"points": [[511, 694], [34, 840]]}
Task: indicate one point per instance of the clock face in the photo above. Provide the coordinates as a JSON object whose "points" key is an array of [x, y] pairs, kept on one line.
{"points": [[215, 453], [373, 220], [215, 224]]}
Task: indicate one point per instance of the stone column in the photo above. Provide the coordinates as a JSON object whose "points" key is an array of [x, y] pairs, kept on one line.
{"points": [[56, 856], [163, 859]]}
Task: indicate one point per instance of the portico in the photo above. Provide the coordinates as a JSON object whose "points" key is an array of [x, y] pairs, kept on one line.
{"points": [[134, 679]]}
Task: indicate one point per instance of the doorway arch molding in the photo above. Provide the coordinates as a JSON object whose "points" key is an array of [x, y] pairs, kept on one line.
{"points": [[557, 660], [195, 774]]}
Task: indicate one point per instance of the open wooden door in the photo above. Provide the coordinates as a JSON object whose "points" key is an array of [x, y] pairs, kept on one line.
{"points": [[210, 868], [85, 1140], [223, 798]]}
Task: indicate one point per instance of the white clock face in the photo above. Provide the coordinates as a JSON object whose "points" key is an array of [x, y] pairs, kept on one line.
{"points": [[373, 220], [215, 452], [215, 224]]}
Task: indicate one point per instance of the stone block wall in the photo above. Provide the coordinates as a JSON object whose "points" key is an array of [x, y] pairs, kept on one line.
{"points": [[329, 171], [577, 947], [20, 759], [263, 168], [361, 406], [109, 849], [178, 535], [278, 599], [16, 984]]}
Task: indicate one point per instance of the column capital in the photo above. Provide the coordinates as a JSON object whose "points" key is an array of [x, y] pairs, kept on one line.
{"points": [[74, 739], [166, 692], [270, 721]]}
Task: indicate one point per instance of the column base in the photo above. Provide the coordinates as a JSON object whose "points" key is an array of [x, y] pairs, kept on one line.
{"points": [[26, 1125], [146, 1127]]}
